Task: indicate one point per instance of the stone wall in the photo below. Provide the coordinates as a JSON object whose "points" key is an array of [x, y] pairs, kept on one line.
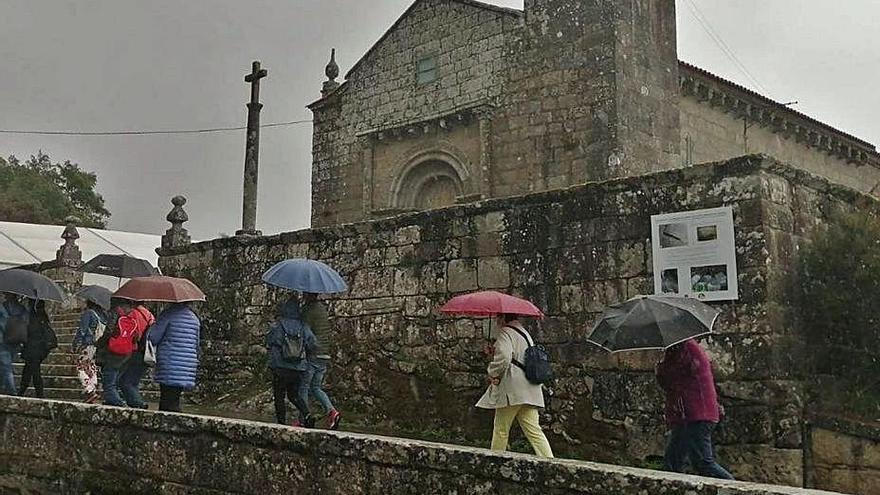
{"points": [[400, 365], [844, 455], [57, 447]]}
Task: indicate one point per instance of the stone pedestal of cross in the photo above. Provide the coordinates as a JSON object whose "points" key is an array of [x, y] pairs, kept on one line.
{"points": [[251, 154]]}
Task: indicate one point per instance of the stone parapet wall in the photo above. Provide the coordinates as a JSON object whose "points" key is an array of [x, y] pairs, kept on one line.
{"points": [[57, 447], [399, 364], [844, 455]]}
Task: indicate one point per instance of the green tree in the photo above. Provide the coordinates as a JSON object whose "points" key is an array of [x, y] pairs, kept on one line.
{"points": [[839, 304], [40, 191]]}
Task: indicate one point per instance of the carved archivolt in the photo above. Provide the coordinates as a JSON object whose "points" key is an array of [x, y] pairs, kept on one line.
{"points": [[424, 169]]}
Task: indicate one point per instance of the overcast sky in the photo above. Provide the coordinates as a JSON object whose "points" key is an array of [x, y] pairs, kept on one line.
{"points": [[92, 65]]}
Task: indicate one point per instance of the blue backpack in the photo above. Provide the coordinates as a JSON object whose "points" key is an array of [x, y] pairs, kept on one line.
{"points": [[536, 359]]}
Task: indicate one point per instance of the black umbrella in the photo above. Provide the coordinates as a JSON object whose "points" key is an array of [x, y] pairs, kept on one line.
{"points": [[96, 294], [30, 284], [652, 322], [119, 265]]}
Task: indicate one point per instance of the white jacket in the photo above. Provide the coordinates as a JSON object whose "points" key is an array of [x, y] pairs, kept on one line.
{"points": [[513, 389]]}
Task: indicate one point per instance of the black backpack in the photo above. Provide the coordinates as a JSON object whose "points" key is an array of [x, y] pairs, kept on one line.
{"points": [[537, 361]]}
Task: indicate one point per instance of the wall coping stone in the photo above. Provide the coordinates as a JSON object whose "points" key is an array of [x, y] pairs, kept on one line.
{"points": [[736, 167], [368, 451], [850, 427]]}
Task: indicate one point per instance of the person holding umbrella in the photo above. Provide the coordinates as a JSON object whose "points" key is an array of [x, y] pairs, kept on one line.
{"points": [[692, 409], [41, 339], [12, 313], [316, 317], [175, 335], [311, 278], [510, 393], [15, 283], [671, 324], [92, 324], [289, 342]]}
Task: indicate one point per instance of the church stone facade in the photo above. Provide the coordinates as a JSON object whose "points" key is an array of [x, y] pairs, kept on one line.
{"points": [[461, 100]]}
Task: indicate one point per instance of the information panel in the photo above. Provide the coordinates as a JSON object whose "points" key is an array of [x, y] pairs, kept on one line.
{"points": [[695, 254]]}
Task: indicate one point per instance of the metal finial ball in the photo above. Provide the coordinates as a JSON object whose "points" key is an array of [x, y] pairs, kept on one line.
{"points": [[178, 201]]}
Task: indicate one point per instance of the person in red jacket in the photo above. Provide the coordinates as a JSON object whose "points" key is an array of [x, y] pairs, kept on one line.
{"points": [[692, 409], [135, 368]]}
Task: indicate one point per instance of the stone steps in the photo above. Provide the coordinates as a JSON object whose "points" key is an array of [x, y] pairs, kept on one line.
{"points": [[59, 369]]}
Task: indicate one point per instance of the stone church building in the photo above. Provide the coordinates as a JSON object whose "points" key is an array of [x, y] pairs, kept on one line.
{"points": [[461, 100]]}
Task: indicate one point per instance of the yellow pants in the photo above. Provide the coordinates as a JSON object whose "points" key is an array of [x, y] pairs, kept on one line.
{"points": [[527, 417]]}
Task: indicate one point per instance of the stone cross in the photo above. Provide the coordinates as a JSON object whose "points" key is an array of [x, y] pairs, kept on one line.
{"points": [[176, 236], [252, 153]]}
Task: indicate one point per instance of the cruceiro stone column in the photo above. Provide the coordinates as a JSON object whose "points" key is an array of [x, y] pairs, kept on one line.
{"points": [[252, 153], [176, 236]]}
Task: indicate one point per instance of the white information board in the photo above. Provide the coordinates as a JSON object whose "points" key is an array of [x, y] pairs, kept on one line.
{"points": [[695, 254]]}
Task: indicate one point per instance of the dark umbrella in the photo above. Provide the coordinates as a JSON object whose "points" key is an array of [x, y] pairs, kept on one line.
{"points": [[652, 322], [160, 289], [30, 284], [119, 265], [96, 294]]}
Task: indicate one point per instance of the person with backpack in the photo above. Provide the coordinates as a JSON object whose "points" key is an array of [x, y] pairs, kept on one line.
{"points": [[92, 325], [41, 339], [13, 333], [314, 314], [135, 368], [176, 337], [511, 393], [114, 349], [289, 342]]}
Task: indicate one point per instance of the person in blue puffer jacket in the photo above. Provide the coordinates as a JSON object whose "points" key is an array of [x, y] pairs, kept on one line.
{"points": [[176, 338]]}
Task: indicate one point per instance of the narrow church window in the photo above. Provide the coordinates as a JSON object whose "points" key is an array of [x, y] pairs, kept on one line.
{"points": [[426, 70]]}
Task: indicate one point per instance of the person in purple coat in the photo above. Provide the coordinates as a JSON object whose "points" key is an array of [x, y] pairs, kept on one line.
{"points": [[692, 409]]}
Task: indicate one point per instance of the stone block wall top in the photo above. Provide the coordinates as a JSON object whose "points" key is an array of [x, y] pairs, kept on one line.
{"points": [[248, 455]]}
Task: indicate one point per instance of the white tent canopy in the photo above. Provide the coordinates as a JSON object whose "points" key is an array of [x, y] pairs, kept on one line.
{"points": [[27, 244]]}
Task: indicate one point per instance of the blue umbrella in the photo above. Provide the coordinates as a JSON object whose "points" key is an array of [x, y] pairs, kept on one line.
{"points": [[305, 276]]}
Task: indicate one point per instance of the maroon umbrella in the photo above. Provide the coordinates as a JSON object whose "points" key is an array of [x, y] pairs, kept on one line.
{"points": [[490, 303], [160, 289]]}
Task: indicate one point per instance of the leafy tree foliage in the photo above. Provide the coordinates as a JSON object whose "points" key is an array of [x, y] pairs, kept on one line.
{"points": [[40, 191], [839, 295]]}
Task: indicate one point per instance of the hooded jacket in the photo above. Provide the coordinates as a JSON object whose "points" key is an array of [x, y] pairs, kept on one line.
{"points": [[685, 374], [176, 335], [289, 324]]}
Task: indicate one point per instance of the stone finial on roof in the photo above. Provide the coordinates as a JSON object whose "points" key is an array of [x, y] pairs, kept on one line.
{"points": [[69, 254], [176, 236], [332, 72]]}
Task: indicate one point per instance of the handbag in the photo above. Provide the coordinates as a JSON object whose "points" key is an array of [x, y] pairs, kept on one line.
{"points": [[149, 351]]}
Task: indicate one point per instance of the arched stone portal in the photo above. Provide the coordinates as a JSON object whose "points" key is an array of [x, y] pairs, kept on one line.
{"points": [[433, 181]]}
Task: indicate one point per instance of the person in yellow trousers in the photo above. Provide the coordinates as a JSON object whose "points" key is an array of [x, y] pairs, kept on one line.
{"points": [[510, 394]]}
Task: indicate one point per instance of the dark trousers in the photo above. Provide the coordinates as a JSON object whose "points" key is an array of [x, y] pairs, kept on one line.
{"points": [[130, 384], [31, 374], [286, 386], [169, 398], [693, 442]]}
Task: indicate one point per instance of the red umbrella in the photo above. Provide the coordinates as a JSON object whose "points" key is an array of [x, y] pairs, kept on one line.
{"points": [[490, 303], [160, 289]]}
